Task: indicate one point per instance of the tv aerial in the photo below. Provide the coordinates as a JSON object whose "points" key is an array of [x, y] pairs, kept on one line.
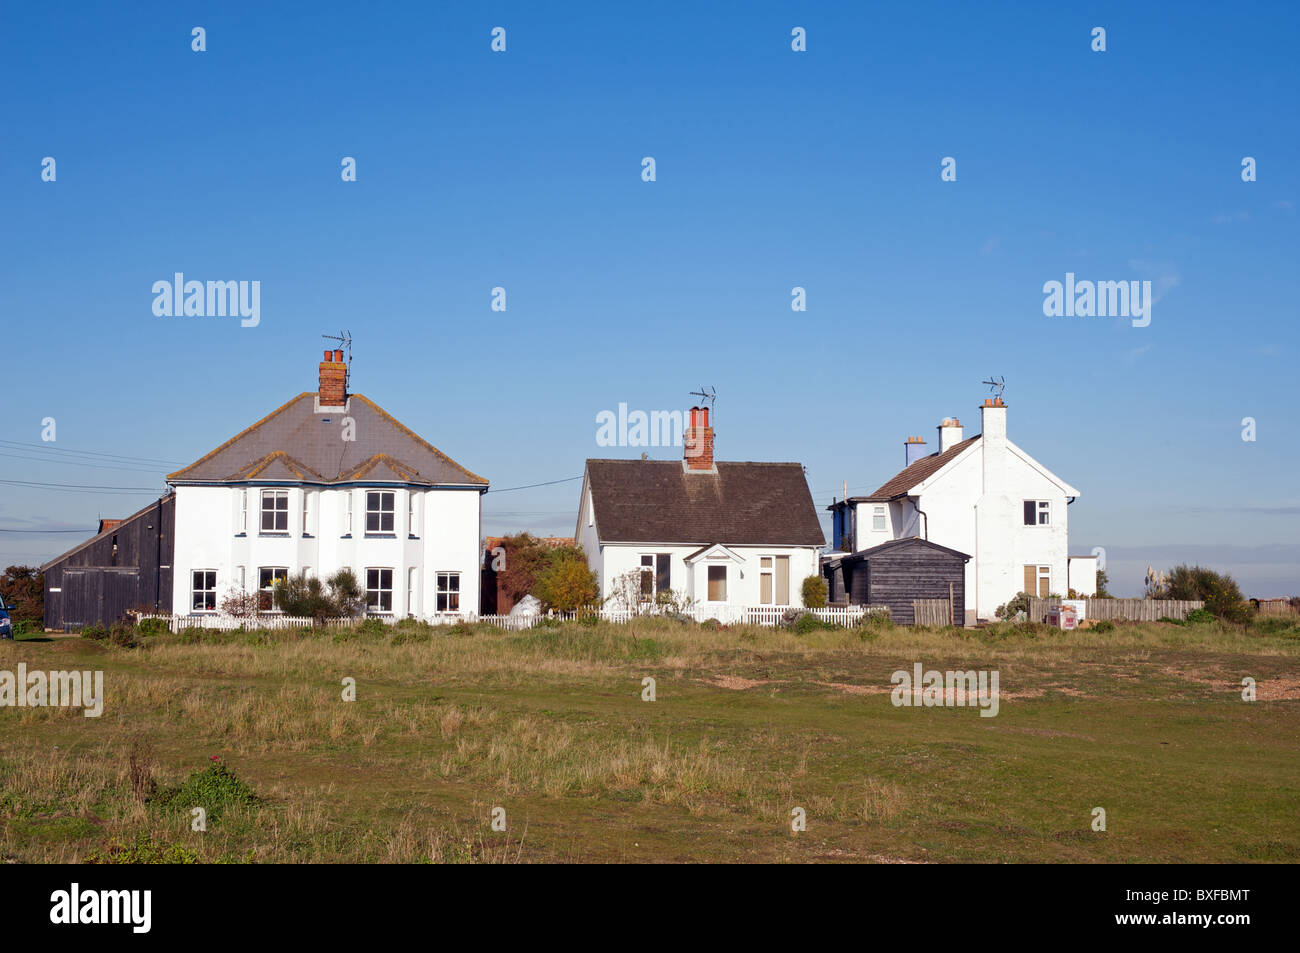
{"points": [[997, 384], [344, 338], [706, 393]]}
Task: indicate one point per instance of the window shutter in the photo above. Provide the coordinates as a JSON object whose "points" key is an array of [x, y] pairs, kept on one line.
{"points": [[1031, 580], [783, 580]]}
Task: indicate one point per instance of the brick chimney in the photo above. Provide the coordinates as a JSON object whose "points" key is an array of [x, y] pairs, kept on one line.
{"points": [[950, 433], [913, 450], [333, 380], [699, 441]]}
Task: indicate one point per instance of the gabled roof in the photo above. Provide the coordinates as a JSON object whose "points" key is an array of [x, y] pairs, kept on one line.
{"points": [[111, 526], [896, 544], [297, 442], [920, 471], [656, 501]]}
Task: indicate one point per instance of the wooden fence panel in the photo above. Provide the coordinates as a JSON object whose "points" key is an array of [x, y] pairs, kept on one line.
{"points": [[1126, 610], [931, 612]]}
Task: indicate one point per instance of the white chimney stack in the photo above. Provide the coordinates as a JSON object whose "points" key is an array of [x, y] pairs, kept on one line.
{"points": [[993, 422], [950, 433]]}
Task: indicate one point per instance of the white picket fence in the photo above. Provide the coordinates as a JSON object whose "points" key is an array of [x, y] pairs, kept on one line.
{"points": [[724, 614]]}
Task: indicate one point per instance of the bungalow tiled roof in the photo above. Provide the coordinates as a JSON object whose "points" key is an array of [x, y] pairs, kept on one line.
{"points": [[742, 503], [301, 443]]}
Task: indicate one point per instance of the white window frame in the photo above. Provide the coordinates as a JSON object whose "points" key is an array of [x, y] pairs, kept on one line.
{"points": [[879, 515], [412, 522], [275, 512], [306, 513], [271, 588], [412, 590], [239, 578], [243, 512], [204, 589], [769, 572], [347, 514], [1042, 513], [379, 590], [444, 594], [726, 579], [646, 569], [380, 513]]}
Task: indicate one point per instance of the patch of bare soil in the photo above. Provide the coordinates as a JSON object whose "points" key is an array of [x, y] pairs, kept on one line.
{"points": [[1267, 689], [735, 683], [848, 689], [1041, 732]]}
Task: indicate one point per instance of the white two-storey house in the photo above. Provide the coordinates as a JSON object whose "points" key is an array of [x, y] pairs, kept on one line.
{"points": [[981, 495], [329, 480]]}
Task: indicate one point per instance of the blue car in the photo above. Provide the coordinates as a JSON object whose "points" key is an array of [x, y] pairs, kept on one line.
{"points": [[6, 624]]}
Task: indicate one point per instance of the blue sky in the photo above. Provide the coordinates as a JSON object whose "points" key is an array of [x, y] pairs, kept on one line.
{"points": [[775, 169]]}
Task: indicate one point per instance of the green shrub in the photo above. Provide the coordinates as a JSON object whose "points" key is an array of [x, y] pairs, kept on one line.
{"points": [[815, 592], [1170, 620], [1105, 625], [123, 635], [808, 622], [95, 632], [1219, 591], [1199, 616], [372, 625], [142, 851], [1019, 604], [152, 627], [214, 789]]}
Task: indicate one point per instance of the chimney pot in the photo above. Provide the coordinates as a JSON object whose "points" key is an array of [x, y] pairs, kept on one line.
{"points": [[698, 441], [332, 391]]}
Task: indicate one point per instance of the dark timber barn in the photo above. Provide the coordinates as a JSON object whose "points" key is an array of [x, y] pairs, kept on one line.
{"points": [[127, 565], [894, 573]]}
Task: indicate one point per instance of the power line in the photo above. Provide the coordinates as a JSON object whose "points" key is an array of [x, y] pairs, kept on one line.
{"points": [[94, 488], [81, 463], [130, 458], [532, 485]]}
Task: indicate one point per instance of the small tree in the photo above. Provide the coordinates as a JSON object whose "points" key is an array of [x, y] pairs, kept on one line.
{"points": [[815, 592], [567, 585], [241, 604], [625, 592], [340, 596], [1217, 590], [346, 593], [1102, 582], [23, 588]]}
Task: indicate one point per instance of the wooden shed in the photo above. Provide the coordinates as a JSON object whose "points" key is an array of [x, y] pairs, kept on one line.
{"points": [[126, 565], [895, 573]]}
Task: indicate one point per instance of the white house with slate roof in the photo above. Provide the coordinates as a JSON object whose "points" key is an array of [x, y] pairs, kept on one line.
{"points": [[722, 534], [329, 480], [981, 495]]}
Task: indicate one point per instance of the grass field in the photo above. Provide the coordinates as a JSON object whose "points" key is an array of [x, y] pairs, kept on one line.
{"points": [[1146, 721]]}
